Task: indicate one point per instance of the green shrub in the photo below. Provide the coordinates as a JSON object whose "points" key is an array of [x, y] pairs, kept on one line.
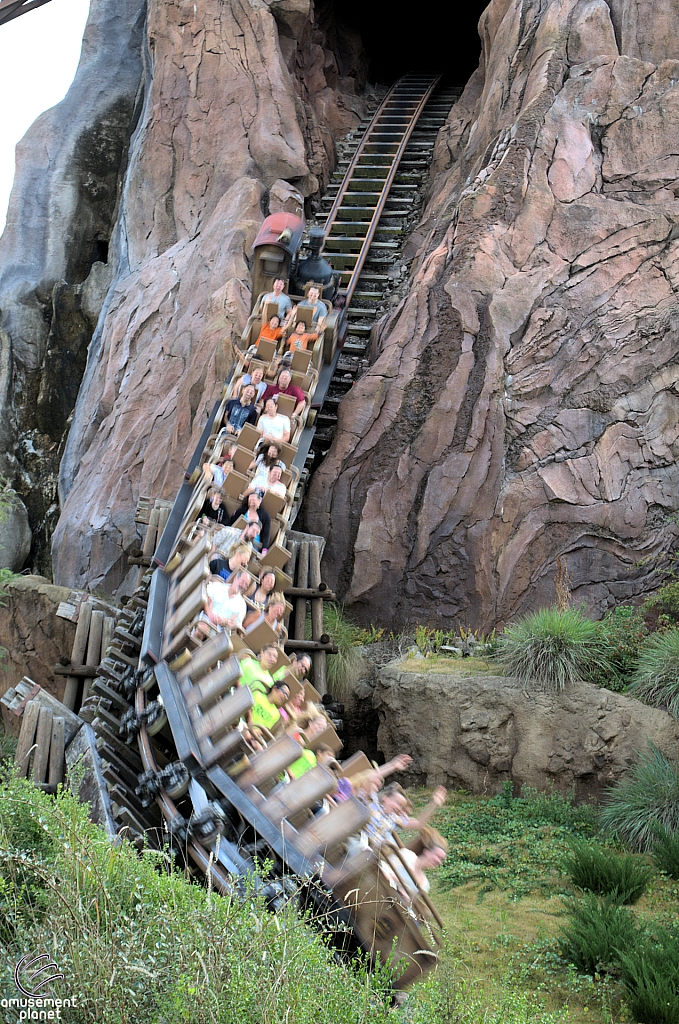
{"points": [[666, 853], [650, 972], [553, 647], [645, 800], [656, 679], [590, 867], [624, 631], [665, 602], [598, 930]]}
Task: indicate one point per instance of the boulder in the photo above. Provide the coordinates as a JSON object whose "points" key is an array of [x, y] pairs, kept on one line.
{"points": [[525, 401], [15, 533], [477, 731], [32, 635]]}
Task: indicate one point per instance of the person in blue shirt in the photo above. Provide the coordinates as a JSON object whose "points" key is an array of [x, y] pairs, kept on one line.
{"points": [[239, 411]]}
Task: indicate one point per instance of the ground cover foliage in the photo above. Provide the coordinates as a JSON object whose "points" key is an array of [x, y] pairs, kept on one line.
{"points": [[517, 919]]}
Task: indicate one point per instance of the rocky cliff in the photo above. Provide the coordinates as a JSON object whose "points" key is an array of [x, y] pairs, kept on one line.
{"points": [[124, 266], [478, 731], [524, 405]]}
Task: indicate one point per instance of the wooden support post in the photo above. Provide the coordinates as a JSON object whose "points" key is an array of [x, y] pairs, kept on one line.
{"points": [[301, 581], [150, 541], [320, 681], [93, 656], [56, 768], [29, 725], [43, 736], [78, 653], [107, 634]]}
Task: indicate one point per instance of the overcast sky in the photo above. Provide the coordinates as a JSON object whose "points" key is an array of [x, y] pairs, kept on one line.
{"points": [[39, 54]]}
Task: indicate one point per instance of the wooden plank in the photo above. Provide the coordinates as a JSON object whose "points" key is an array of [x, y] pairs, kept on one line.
{"points": [[107, 634], [317, 616], [29, 725], [81, 634], [56, 764], [302, 581], [43, 737]]}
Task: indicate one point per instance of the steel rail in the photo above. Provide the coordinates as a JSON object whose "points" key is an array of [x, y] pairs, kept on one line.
{"points": [[11, 9], [410, 124]]}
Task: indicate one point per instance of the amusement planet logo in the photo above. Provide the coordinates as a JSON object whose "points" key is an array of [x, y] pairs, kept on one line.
{"points": [[32, 976]]}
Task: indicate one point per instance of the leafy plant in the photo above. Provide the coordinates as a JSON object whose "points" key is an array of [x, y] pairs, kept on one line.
{"points": [[598, 930], [664, 603], [656, 679], [553, 648], [624, 632], [590, 867], [646, 799], [666, 853], [650, 971]]}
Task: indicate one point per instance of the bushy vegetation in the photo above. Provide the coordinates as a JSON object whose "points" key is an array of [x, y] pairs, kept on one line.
{"points": [[666, 853], [645, 801], [622, 878], [624, 632], [650, 970], [553, 648], [656, 678], [598, 929], [137, 942], [662, 607]]}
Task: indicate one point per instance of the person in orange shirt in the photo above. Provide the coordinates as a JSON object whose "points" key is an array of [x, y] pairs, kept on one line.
{"points": [[271, 331], [299, 340]]}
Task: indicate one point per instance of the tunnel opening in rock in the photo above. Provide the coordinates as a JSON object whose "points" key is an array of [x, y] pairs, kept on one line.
{"points": [[395, 47]]}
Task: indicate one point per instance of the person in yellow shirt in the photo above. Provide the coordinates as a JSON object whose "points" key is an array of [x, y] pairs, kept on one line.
{"points": [[265, 710], [256, 672]]}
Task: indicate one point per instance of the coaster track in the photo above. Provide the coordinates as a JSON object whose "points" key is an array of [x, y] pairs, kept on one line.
{"points": [[178, 702]]}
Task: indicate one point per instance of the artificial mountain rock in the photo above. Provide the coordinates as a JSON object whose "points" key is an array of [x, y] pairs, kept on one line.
{"points": [[525, 402], [125, 260], [478, 731]]}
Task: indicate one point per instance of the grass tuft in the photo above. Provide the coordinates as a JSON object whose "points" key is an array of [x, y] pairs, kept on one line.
{"points": [[343, 667], [650, 971], [598, 930], [645, 801], [590, 867], [666, 853], [656, 678], [553, 648]]}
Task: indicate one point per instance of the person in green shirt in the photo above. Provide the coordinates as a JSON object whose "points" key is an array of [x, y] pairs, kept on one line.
{"points": [[256, 672], [265, 711]]}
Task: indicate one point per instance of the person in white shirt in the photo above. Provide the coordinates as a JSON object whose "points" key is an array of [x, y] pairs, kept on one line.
{"points": [[225, 607], [274, 425]]}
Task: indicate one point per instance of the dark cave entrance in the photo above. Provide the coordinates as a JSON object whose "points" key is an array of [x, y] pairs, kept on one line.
{"points": [[424, 42]]}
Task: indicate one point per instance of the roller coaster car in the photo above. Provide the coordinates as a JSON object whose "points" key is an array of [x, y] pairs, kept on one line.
{"points": [[276, 255]]}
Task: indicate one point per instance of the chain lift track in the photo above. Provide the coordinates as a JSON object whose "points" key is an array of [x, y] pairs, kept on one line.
{"points": [[176, 702]]}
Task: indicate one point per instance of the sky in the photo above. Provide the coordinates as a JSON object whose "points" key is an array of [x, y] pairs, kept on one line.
{"points": [[39, 54]]}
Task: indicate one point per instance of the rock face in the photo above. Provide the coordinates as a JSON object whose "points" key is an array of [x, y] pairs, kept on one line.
{"points": [[137, 237], [15, 533], [476, 732], [33, 637], [525, 404]]}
